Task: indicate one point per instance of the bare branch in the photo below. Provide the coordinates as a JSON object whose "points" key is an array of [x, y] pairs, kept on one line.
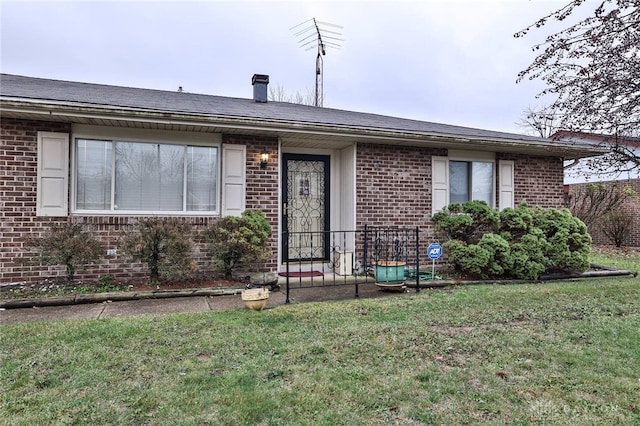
{"points": [[541, 121], [591, 70], [595, 200], [280, 94]]}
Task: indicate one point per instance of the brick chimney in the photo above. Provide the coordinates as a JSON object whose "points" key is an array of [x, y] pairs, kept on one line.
{"points": [[260, 83]]}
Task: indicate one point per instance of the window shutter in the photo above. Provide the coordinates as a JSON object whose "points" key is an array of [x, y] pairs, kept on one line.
{"points": [[440, 183], [52, 193], [233, 179], [506, 192]]}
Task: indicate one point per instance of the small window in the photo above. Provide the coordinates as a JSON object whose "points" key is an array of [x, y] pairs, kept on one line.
{"points": [[94, 163], [202, 172], [145, 177], [471, 180]]}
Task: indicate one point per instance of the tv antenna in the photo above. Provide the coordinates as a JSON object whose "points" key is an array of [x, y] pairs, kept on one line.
{"points": [[315, 33]]}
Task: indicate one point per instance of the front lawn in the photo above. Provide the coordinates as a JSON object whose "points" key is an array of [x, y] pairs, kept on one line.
{"points": [[561, 353]]}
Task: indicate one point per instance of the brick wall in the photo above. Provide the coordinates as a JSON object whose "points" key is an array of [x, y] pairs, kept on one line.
{"points": [[631, 205], [18, 157], [393, 186], [18, 160], [538, 180], [262, 185]]}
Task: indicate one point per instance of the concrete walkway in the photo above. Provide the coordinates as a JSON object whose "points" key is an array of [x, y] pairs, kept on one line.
{"points": [[125, 308], [165, 304]]}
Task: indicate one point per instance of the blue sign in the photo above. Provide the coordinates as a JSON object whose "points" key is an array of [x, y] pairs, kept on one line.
{"points": [[434, 251]]}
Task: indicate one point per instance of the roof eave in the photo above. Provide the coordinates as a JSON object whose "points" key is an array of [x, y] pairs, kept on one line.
{"points": [[68, 112]]}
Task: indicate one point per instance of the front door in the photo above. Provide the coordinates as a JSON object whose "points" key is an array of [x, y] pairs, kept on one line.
{"points": [[305, 209]]}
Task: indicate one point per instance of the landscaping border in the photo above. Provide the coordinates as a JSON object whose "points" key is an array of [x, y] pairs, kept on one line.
{"points": [[601, 272]]}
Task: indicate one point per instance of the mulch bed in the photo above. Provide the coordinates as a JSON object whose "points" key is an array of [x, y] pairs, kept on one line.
{"points": [[58, 286]]}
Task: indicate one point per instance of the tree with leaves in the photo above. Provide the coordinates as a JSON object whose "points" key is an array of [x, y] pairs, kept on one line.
{"points": [[592, 72]]}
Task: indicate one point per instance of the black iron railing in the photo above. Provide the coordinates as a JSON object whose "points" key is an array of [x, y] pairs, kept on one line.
{"points": [[331, 258], [386, 248], [317, 259]]}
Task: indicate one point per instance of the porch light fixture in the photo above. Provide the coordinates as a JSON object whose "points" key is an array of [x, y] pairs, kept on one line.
{"points": [[264, 158]]}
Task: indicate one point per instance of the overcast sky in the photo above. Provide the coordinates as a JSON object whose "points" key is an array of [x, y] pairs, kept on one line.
{"points": [[449, 61]]}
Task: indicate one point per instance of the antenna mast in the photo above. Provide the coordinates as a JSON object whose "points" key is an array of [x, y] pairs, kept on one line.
{"points": [[309, 36]]}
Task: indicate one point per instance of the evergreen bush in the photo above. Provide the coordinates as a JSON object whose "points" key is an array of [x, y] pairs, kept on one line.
{"points": [[528, 254], [470, 258], [568, 238], [467, 222], [519, 243]]}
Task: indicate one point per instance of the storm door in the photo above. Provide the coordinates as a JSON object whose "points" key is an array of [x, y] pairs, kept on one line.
{"points": [[305, 209]]}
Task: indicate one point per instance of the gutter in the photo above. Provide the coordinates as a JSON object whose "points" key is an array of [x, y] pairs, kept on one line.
{"points": [[50, 110]]}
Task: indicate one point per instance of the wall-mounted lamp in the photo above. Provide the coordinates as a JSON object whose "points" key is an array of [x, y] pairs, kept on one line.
{"points": [[264, 158]]}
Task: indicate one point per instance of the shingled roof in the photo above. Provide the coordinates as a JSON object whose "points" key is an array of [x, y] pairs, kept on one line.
{"points": [[18, 92]]}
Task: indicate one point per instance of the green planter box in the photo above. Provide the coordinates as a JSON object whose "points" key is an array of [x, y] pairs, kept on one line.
{"points": [[390, 272]]}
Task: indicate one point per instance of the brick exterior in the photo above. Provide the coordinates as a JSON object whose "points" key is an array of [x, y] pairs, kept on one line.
{"points": [[262, 185], [632, 205], [18, 160], [393, 187], [18, 157], [538, 180]]}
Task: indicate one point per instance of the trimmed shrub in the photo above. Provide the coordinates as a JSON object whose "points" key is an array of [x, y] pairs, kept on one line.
{"points": [[500, 260], [453, 226], [163, 244], [529, 259], [469, 258], [519, 243], [517, 222], [236, 242], [489, 258], [66, 244], [467, 222], [569, 240]]}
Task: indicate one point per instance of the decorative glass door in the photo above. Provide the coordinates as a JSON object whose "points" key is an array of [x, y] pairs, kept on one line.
{"points": [[305, 207]]}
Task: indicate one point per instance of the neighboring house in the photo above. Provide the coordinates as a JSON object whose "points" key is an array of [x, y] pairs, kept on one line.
{"points": [[581, 173], [104, 155]]}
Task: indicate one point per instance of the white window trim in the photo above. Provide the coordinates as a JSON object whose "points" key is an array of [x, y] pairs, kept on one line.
{"points": [[143, 136], [484, 157], [463, 155]]}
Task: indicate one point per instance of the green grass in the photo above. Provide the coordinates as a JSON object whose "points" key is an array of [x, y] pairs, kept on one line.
{"points": [[621, 258], [560, 353]]}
